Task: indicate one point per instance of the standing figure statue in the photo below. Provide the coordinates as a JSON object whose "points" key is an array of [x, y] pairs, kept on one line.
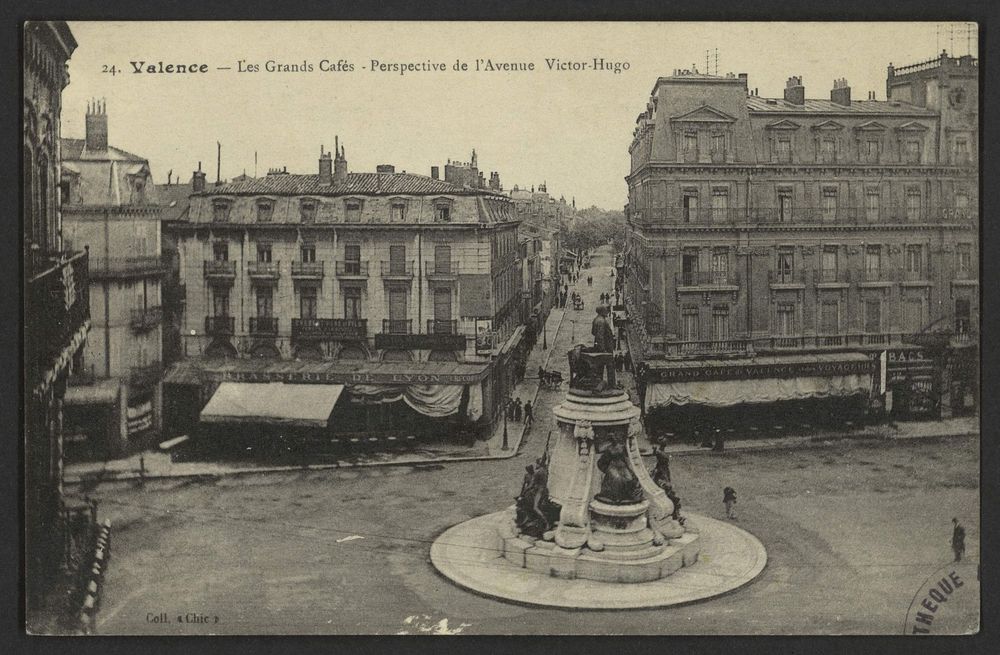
{"points": [[604, 333]]}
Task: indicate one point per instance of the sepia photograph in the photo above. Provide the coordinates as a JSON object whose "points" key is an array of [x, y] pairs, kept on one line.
{"points": [[500, 328]]}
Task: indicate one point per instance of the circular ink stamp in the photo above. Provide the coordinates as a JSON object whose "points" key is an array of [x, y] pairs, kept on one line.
{"points": [[947, 602]]}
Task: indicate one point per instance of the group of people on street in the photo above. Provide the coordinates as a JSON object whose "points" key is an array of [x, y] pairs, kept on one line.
{"points": [[518, 412]]}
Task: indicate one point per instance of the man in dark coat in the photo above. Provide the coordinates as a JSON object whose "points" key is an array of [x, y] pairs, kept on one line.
{"points": [[958, 539]]}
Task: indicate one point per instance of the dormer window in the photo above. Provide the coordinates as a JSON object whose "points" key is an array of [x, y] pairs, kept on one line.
{"points": [[220, 211], [397, 211], [352, 211], [307, 211], [442, 210], [265, 210]]}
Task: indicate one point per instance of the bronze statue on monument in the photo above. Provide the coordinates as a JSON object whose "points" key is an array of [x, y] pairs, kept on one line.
{"points": [[588, 365]]}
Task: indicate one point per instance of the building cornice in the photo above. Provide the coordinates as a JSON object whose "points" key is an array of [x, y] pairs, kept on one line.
{"points": [[813, 169]]}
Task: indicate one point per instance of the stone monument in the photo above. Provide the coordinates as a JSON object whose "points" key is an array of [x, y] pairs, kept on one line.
{"points": [[615, 524]]}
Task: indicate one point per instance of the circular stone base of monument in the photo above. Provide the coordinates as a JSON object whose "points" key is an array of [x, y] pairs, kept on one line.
{"points": [[470, 554]]}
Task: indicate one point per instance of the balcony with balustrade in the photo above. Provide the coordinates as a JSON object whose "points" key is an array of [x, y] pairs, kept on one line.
{"points": [[714, 348], [915, 276], [264, 270], [263, 326], [707, 280], [57, 311], [804, 215], [223, 270], [396, 269], [394, 326], [831, 278], [220, 326], [329, 329], [871, 276], [146, 318], [439, 326], [442, 270], [787, 278], [105, 268], [351, 269], [307, 270]]}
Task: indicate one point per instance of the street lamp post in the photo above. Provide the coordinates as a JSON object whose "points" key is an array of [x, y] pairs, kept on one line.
{"points": [[504, 445]]}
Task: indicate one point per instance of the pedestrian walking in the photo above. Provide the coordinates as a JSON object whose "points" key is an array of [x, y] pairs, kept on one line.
{"points": [[958, 539], [729, 500], [529, 418], [517, 409]]}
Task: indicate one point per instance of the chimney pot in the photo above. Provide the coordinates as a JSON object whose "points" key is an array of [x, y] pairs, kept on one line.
{"points": [[435, 172], [387, 169], [795, 93], [841, 93], [96, 126]]}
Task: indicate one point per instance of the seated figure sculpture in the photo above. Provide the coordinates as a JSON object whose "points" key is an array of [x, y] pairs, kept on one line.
{"points": [[620, 486], [536, 513]]}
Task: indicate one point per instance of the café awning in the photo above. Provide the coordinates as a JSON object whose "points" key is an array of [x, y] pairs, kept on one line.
{"points": [[276, 403], [762, 380]]}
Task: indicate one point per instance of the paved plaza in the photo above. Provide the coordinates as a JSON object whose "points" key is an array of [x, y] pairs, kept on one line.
{"points": [[852, 530]]}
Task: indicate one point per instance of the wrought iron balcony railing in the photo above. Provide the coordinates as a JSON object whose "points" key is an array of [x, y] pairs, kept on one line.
{"points": [[438, 326], [352, 269], [393, 326], [310, 270], [146, 318], [57, 305], [220, 325], [329, 328], [707, 278], [442, 268], [270, 270], [397, 268], [215, 268], [263, 325]]}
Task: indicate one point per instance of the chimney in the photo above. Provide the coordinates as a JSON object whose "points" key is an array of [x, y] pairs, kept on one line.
{"points": [[743, 80], [840, 94], [435, 172], [795, 93], [97, 125], [387, 169], [198, 180], [325, 167], [339, 162], [495, 181]]}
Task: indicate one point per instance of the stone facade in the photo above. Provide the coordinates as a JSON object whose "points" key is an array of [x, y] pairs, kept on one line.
{"points": [[789, 225]]}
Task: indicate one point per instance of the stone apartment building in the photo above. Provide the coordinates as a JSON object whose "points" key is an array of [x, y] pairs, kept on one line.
{"points": [[56, 323], [792, 239], [109, 206], [369, 280]]}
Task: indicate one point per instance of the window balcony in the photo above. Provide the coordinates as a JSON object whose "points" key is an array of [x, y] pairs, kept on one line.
{"points": [[307, 270], [329, 329], [57, 306], [712, 347], [442, 270], [831, 276], [392, 326], [397, 270], [875, 276], [263, 326], [352, 269], [127, 267], [783, 277], [438, 326], [220, 326], [922, 275], [146, 318], [264, 270], [706, 279], [216, 270]]}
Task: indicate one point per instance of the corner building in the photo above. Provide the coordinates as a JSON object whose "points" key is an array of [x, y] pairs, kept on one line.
{"points": [[384, 286], [780, 249]]}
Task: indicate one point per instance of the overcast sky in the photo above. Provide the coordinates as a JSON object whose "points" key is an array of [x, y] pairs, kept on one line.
{"points": [[570, 129]]}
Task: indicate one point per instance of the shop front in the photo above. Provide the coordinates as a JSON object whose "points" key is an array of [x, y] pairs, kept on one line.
{"points": [[329, 402], [713, 398]]}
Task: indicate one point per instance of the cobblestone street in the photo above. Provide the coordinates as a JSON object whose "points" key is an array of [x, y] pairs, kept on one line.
{"points": [[848, 525]]}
